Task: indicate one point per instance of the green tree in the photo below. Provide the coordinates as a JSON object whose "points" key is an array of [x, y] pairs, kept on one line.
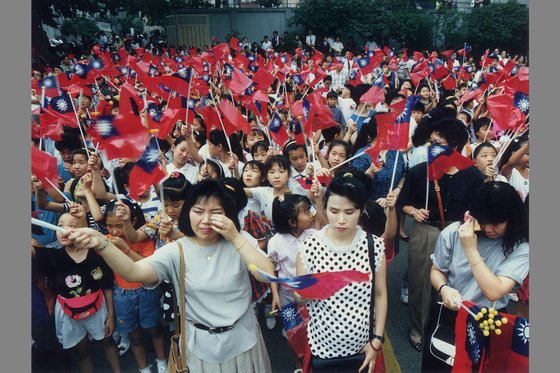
{"points": [[412, 29], [449, 26], [504, 26], [79, 26]]}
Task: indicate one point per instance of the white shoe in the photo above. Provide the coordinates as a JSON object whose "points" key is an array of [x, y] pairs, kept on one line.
{"points": [[124, 345], [161, 368]]}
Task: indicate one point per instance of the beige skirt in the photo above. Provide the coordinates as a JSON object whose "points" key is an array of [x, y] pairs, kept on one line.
{"points": [[254, 360]]}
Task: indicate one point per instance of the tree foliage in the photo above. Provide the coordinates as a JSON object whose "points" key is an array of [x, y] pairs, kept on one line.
{"points": [[79, 26], [504, 26]]}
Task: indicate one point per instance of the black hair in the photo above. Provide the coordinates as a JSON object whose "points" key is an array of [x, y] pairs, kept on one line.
{"points": [[358, 91], [122, 174], [452, 130], [481, 146], [480, 122], [330, 133], [373, 219], [347, 186], [203, 191], [253, 164], [286, 209], [327, 78], [422, 85], [80, 151], [68, 141], [291, 146], [216, 166], [418, 107], [462, 85], [218, 137], [367, 134], [349, 87], [391, 95], [253, 132], [384, 63], [513, 146], [344, 144], [261, 144], [235, 188], [497, 202], [332, 94], [136, 213], [279, 160], [178, 140], [200, 137], [175, 187]]}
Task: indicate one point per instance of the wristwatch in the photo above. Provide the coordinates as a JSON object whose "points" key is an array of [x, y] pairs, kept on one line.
{"points": [[380, 337]]}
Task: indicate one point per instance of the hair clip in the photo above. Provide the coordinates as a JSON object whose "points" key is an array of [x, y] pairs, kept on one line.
{"points": [[230, 187], [174, 174], [348, 174]]}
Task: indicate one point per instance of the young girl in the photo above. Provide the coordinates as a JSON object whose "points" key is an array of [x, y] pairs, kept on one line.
{"points": [[136, 308], [338, 151], [181, 157], [277, 171], [210, 170], [294, 222], [83, 284], [253, 176], [515, 165], [259, 151], [339, 326], [249, 140], [484, 155]]}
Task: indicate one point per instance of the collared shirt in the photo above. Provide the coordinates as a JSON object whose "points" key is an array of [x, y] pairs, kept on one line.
{"points": [[456, 192], [337, 115], [339, 78], [310, 40]]}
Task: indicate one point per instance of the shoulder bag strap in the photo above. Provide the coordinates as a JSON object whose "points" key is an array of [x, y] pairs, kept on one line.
{"points": [[183, 346], [371, 253], [440, 203]]}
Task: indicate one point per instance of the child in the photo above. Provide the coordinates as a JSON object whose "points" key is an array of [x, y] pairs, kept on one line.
{"points": [[210, 170], [136, 308], [84, 306], [515, 165], [297, 155], [484, 155], [277, 171], [253, 176], [249, 140], [294, 222], [260, 151]]}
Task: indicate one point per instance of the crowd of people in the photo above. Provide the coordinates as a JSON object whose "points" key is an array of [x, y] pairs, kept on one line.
{"points": [[290, 191]]}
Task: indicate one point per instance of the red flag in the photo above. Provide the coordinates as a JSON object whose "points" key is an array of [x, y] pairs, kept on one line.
{"points": [[389, 135], [277, 130], [441, 158], [355, 78], [448, 53], [130, 101], [44, 166], [440, 71], [234, 43], [420, 71], [471, 352], [235, 80], [263, 79], [373, 153], [449, 83], [317, 56], [373, 96], [174, 83], [319, 76], [419, 57], [232, 118], [294, 319], [147, 170], [504, 115], [221, 50], [307, 182], [520, 82], [50, 127]]}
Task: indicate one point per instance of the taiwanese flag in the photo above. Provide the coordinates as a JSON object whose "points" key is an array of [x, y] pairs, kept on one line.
{"points": [[264, 79], [121, 136], [130, 101], [441, 158], [520, 82], [521, 101], [196, 64], [470, 344], [297, 131], [440, 71], [50, 126], [448, 53], [307, 182], [185, 74], [355, 77], [51, 86], [368, 64], [393, 128], [319, 76], [163, 121], [220, 50], [210, 116], [171, 82], [300, 78], [284, 60], [449, 83], [294, 320], [147, 171], [241, 62], [277, 130], [509, 351], [235, 44], [465, 50], [190, 105], [232, 118], [235, 80], [418, 56], [81, 75], [45, 167], [61, 107], [504, 114], [373, 96], [319, 286], [419, 72], [318, 115], [373, 153]]}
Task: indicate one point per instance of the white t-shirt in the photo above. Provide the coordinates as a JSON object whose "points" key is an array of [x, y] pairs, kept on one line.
{"points": [[188, 170], [347, 106]]}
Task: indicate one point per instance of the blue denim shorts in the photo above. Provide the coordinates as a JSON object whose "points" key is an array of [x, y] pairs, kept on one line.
{"points": [[137, 307]]}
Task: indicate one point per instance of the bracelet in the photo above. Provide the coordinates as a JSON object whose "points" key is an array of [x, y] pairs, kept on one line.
{"points": [[100, 249], [374, 349], [240, 246], [441, 287]]}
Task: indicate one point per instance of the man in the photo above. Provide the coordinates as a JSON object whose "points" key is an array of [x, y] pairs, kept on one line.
{"points": [[337, 46], [455, 191], [310, 39], [266, 44], [275, 40], [339, 77]]}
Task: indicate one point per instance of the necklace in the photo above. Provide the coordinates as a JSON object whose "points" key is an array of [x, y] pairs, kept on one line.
{"points": [[209, 257]]}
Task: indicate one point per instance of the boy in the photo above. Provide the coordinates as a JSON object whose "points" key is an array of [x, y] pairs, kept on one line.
{"points": [[332, 100]]}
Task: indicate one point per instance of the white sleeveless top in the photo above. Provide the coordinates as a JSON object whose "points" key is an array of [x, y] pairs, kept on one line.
{"points": [[339, 325], [519, 183]]}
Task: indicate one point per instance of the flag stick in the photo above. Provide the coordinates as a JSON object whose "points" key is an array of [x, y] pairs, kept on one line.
{"points": [[503, 149], [221, 122], [58, 85], [59, 191], [44, 224], [189, 97], [43, 90], [427, 182], [488, 130], [115, 185], [347, 161], [79, 125], [394, 172], [464, 52], [161, 183]]}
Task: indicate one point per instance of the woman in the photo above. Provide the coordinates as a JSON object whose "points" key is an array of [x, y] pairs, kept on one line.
{"points": [[340, 325], [218, 291], [480, 266]]}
